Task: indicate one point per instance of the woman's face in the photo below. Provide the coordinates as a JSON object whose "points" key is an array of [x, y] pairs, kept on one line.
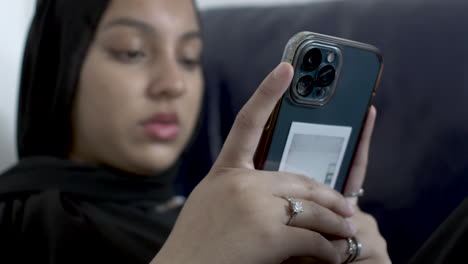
{"points": [[140, 87]]}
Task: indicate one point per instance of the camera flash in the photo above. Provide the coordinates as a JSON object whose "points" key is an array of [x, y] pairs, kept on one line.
{"points": [[331, 57]]}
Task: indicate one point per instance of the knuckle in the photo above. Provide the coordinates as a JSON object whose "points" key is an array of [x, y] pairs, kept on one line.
{"points": [[243, 120], [303, 181], [306, 181], [345, 224], [383, 244], [337, 201], [310, 185], [339, 224], [264, 92]]}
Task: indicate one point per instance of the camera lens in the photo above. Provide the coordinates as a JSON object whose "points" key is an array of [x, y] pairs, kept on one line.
{"points": [[312, 59], [305, 86], [326, 76], [320, 93]]}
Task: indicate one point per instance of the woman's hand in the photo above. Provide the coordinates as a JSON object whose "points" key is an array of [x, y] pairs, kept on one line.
{"points": [[374, 247], [239, 215]]}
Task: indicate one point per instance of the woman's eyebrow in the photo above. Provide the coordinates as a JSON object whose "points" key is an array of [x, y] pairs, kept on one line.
{"points": [[191, 35], [147, 28], [131, 22]]}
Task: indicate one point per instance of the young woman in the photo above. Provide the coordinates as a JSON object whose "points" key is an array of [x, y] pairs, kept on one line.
{"points": [[110, 96]]}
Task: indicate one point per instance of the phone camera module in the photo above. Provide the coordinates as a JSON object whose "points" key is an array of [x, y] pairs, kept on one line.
{"points": [[312, 59], [326, 76], [305, 86]]}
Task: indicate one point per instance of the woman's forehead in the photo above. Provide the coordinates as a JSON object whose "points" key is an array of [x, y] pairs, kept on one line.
{"points": [[158, 14]]}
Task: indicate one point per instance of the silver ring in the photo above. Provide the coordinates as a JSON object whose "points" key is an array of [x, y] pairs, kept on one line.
{"points": [[295, 207], [354, 250], [359, 193]]}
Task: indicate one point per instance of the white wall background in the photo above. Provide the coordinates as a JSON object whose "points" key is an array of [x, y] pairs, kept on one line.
{"points": [[15, 16], [14, 20]]}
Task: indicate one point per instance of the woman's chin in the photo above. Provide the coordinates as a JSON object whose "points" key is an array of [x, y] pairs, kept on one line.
{"points": [[155, 161]]}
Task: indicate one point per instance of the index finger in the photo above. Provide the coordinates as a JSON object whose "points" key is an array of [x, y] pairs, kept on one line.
{"points": [[359, 167], [242, 141]]}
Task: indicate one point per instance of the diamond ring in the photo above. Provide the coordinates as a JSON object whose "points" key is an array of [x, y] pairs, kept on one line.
{"points": [[295, 207], [354, 250]]}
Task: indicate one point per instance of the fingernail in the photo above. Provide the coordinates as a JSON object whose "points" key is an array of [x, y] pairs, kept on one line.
{"points": [[352, 227]]}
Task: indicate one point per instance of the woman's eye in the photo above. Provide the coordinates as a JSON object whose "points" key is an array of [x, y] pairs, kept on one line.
{"points": [[129, 56], [191, 64]]}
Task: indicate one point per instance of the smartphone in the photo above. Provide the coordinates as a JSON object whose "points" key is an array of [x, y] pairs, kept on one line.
{"points": [[316, 127]]}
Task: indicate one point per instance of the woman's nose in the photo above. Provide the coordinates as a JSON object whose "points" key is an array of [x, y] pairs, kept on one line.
{"points": [[168, 81]]}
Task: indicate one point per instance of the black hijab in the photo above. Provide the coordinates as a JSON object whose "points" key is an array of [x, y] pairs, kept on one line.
{"points": [[59, 37], [55, 209]]}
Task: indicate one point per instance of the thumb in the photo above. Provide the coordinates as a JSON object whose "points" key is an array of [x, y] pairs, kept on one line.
{"points": [[242, 141]]}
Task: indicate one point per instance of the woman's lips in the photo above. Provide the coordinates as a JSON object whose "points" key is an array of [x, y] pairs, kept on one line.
{"points": [[162, 126]]}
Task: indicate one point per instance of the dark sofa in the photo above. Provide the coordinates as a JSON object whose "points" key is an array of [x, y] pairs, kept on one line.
{"points": [[418, 170]]}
